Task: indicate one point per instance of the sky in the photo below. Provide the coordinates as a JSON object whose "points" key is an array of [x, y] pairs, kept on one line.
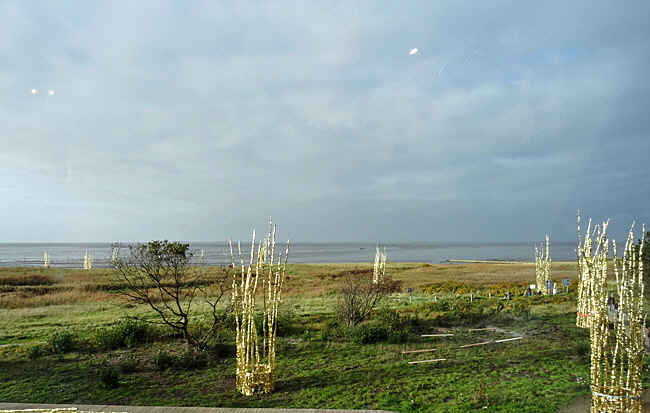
{"points": [[200, 120]]}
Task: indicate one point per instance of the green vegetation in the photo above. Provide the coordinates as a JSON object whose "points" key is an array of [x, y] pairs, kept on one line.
{"points": [[164, 276], [361, 294], [79, 343]]}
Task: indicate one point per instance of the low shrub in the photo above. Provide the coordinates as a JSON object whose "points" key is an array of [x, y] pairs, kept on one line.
{"points": [[400, 326], [445, 304], [520, 307], [162, 360], [448, 287], [399, 336], [284, 322], [329, 330], [62, 341], [369, 334], [223, 350], [109, 377], [126, 333], [127, 364], [495, 307], [191, 360], [501, 289], [37, 351], [582, 350], [185, 360]]}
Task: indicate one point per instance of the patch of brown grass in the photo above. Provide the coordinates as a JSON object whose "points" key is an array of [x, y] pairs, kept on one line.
{"points": [[36, 287], [29, 287]]}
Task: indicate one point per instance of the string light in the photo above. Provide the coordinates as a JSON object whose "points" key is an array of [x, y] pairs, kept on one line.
{"points": [[255, 363], [617, 348], [379, 269], [542, 267]]}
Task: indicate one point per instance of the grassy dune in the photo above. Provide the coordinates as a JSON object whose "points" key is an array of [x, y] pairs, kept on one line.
{"points": [[321, 364]]}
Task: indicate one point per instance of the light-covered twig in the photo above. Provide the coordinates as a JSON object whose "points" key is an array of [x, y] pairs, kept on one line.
{"points": [[379, 269], [617, 353], [255, 363], [542, 267], [88, 261]]}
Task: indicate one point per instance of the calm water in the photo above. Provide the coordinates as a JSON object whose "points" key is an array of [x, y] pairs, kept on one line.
{"points": [[218, 253]]}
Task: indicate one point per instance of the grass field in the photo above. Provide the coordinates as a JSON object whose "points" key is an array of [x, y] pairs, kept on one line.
{"points": [[66, 341]]}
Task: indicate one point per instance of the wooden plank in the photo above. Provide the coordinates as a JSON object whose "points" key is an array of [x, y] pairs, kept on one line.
{"points": [[425, 361], [482, 329], [418, 351], [508, 339], [436, 335], [476, 344]]}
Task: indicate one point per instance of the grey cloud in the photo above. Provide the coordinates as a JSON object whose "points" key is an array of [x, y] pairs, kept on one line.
{"points": [[212, 116]]}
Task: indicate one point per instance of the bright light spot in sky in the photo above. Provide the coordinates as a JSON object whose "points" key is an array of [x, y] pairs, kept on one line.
{"points": [[33, 90], [51, 92], [413, 51]]}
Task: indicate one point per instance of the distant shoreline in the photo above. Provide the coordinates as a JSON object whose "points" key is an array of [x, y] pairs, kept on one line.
{"points": [[218, 253]]}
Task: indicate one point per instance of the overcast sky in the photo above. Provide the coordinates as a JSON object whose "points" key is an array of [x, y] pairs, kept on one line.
{"points": [[198, 120]]}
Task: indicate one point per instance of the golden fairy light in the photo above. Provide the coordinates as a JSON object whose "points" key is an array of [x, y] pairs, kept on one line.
{"points": [[379, 269], [542, 267], [617, 334], [255, 363], [88, 261], [114, 256], [592, 265]]}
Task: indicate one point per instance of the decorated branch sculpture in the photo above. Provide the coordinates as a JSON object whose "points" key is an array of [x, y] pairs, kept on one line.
{"points": [[379, 269], [88, 261], [617, 354], [542, 267], [615, 321], [255, 351], [592, 265]]}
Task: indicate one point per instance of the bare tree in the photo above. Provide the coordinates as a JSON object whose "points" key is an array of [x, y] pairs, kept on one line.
{"points": [[186, 296], [360, 295]]}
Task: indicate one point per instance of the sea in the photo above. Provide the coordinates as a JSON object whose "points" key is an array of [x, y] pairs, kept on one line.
{"points": [[71, 255]]}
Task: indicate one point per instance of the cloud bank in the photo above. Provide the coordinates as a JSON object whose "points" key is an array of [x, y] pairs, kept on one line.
{"points": [[198, 120]]}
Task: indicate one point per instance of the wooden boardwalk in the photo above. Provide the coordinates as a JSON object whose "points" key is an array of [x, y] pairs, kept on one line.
{"points": [[164, 409]]}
